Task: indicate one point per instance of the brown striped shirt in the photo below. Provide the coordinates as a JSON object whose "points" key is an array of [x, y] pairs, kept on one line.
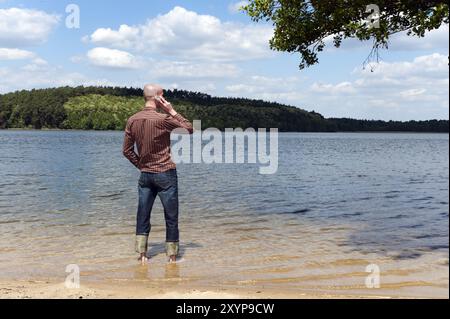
{"points": [[150, 132]]}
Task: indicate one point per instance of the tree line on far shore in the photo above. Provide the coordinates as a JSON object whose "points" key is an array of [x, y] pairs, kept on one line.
{"points": [[108, 108]]}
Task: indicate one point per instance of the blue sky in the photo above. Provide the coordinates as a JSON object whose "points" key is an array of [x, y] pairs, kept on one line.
{"points": [[209, 46]]}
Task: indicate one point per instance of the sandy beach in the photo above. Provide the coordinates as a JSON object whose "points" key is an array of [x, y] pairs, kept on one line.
{"points": [[158, 280], [49, 290]]}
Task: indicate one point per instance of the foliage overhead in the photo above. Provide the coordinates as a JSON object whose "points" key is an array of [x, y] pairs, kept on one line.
{"points": [[304, 26]]}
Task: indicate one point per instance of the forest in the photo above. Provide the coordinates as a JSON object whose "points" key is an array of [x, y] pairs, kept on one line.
{"points": [[108, 108]]}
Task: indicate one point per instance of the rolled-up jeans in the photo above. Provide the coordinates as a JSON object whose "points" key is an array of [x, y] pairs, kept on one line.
{"points": [[165, 186]]}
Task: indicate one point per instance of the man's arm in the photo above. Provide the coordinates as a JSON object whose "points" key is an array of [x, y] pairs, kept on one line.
{"points": [[128, 146], [174, 120]]}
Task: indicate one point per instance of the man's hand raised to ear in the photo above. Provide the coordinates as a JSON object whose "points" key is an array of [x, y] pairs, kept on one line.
{"points": [[165, 105]]}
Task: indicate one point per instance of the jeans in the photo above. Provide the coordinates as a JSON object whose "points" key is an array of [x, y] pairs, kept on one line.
{"points": [[165, 186]]}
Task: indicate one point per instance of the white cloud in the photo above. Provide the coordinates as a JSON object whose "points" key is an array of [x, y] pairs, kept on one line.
{"points": [[403, 90], [38, 74], [235, 7], [427, 66], [111, 58], [433, 40], [193, 76], [24, 27], [186, 70], [288, 90], [77, 59], [340, 88], [15, 54], [412, 93], [124, 37], [190, 36]]}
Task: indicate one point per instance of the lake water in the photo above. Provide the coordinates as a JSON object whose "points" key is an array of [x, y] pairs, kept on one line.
{"points": [[338, 203]]}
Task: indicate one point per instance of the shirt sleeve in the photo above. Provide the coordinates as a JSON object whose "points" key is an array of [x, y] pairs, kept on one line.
{"points": [[128, 146], [178, 121]]}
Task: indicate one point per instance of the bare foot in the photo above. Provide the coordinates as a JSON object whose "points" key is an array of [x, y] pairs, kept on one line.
{"points": [[172, 259], [143, 259]]}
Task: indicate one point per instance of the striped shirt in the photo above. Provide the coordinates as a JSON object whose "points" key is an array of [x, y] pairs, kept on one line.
{"points": [[150, 132]]}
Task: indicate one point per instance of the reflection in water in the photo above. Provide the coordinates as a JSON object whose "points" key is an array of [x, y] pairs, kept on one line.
{"points": [[172, 271], [338, 203], [141, 273], [148, 273]]}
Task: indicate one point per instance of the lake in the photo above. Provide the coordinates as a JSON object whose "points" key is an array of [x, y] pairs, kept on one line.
{"points": [[338, 203]]}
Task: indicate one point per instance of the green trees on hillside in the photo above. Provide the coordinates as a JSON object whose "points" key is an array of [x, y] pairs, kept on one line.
{"points": [[351, 125], [108, 108], [45, 108], [100, 112], [97, 112]]}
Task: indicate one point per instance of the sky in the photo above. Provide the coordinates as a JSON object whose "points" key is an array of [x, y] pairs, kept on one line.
{"points": [[212, 47]]}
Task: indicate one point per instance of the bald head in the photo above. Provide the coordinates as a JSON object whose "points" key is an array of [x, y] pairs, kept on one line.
{"points": [[151, 91]]}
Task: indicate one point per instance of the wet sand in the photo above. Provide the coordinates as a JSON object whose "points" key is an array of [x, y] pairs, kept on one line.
{"points": [[49, 290], [264, 277], [252, 261]]}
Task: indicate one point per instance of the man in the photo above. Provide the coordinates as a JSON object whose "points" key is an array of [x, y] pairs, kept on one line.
{"points": [[150, 132]]}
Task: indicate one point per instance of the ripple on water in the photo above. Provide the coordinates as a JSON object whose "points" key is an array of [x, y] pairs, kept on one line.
{"points": [[305, 226], [297, 212], [6, 222], [399, 216], [239, 230]]}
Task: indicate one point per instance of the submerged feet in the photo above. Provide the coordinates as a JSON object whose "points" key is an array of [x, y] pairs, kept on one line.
{"points": [[172, 250], [143, 259]]}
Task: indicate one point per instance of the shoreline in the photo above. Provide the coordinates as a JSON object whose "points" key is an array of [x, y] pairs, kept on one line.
{"points": [[46, 289], [282, 132]]}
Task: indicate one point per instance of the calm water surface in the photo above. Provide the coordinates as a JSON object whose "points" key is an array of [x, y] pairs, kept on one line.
{"points": [[338, 203]]}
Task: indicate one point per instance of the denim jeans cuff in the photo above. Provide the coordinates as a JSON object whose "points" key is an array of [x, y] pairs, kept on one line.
{"points": [[141, 244], [172, 248]]}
